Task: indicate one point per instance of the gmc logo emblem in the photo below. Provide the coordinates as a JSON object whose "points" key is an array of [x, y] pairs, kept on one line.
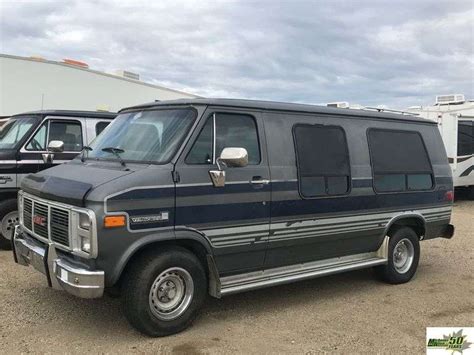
{"points": [[39, 220]]}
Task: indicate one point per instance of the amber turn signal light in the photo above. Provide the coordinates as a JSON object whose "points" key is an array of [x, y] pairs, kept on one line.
{"points": [[114, 221]]}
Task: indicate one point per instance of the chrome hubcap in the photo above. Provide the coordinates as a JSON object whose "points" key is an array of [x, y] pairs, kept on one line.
{"points": [[9, 221], [403, 255], [171, 293]]}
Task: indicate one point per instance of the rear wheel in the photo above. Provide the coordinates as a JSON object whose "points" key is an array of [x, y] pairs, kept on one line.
{"points": [[8, 220], [403, 257], [162, 291]]}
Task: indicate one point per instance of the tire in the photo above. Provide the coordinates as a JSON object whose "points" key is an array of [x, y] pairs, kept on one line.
{"points": [[8, 219], [113, 292], [170, 277], [403, 243]]}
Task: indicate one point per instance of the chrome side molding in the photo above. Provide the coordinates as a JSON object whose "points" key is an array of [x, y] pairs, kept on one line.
{"points": [[282, 275]]}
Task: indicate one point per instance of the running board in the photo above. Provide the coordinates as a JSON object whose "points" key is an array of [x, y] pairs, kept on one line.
{"points": [[287, 274]]}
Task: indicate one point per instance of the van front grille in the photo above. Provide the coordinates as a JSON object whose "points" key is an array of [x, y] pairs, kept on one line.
{"points": [[40, 219], [46, 221], [27, 213], [59, 226]]}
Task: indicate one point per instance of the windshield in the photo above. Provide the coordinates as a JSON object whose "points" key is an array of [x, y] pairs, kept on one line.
{"points": [[12, 132], [144, 136]]}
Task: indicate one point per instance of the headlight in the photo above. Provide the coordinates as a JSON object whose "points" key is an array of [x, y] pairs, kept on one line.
{"points": [[84, 232], [84, 229], [86, 244], [84, 221]]}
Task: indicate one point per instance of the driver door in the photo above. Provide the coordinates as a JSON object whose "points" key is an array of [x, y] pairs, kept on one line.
{"points": [[234, 218], [69, 131]]}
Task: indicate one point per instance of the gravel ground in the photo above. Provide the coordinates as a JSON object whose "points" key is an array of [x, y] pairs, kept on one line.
{"points": [[347, 313]]}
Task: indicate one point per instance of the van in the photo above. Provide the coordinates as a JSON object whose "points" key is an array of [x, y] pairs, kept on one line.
{"points": [[24, 140], [178, 200]]}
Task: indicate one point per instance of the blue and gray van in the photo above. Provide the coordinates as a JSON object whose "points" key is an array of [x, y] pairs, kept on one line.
{"points": [[178, 200]]}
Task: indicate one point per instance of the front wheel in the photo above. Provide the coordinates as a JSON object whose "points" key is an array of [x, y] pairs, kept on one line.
{"points": [[403, 257], [162, 291], [8, 220]]}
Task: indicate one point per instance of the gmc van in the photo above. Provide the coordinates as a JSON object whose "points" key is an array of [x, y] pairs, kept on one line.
{"points": [[178, 200], [24, 141]]}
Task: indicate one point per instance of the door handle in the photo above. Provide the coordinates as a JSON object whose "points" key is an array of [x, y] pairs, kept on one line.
{"points": [[258, 180]]}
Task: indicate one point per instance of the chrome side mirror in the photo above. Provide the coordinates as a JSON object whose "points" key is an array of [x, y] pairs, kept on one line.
{"points": [[234, 157], [231, 157], [53, 147], [56, 146]]}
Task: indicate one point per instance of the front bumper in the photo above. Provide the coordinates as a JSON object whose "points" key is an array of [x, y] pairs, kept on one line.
{"points": [[60, 273]]}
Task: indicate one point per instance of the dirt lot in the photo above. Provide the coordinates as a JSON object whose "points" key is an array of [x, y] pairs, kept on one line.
{"points": [[348, 313]]}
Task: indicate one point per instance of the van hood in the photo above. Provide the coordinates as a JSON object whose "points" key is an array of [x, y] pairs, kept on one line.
{"points": [[71, 182]]}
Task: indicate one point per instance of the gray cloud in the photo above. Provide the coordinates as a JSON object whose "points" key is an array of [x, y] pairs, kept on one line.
{"points": [[396, 53]]}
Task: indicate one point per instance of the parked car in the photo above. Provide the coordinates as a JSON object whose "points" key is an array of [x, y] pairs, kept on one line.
{"points": [[181, 199], [24, 140]]}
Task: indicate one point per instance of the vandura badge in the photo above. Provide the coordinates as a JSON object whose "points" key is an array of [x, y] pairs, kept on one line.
{"points": [[162, 217]]}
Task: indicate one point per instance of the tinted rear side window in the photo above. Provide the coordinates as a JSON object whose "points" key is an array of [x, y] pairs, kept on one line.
{"points": [[399, 161], [322, 159]]}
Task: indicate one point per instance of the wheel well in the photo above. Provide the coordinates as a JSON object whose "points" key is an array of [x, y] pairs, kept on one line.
{"points": [[5, 196], [191, 245], [415, 223]]}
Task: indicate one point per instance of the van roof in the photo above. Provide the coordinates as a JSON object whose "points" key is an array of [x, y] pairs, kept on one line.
{"points": [[282, 106], [71, 113]]}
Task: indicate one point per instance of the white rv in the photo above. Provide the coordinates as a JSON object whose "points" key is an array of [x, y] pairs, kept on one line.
{"points": [[455, 117]]}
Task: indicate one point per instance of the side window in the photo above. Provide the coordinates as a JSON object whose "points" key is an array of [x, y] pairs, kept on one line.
{"points": [[38, 142], [237, 131], [232, 130], [201, 153], [399, 161], [100, 126], [465, 138], [322, 160], [68, 132]]}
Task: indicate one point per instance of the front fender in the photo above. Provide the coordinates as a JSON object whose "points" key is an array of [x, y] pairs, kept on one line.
{"points": [[153, 238], [186, 233], [8, 193]]}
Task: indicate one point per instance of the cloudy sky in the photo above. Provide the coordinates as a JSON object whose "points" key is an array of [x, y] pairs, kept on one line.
{"points": [[396, 52]]}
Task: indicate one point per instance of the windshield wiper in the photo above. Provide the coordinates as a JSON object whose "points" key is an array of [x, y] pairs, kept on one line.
{"points": [[84, 149], [116, 152]]}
